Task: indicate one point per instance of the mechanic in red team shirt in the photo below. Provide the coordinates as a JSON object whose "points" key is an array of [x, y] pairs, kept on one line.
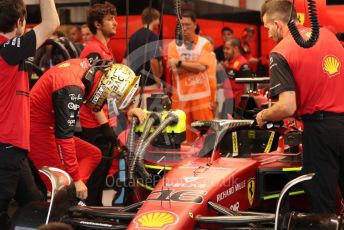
{"points": [[15, 48], [55, 101], [96, 127], [235, 66], [310, 83]]}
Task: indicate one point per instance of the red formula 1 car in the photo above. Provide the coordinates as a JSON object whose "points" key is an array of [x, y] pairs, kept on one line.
{"points": [[215, 186], [222, 175]]}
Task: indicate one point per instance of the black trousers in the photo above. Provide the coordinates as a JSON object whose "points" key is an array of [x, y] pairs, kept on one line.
{"points": [[96, 182], [323, 154], [16, 180]]}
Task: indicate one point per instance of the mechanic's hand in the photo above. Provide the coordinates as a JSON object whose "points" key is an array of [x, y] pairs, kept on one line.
{"points": [[81, 190], [108, 131], [137, 112], [259, 118]]}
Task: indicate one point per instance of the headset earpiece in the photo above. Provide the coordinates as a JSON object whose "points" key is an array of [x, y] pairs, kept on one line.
{"points": [[88, 79]]}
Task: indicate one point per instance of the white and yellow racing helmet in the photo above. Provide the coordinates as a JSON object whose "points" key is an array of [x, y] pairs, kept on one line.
{"points": [[116, 83]]}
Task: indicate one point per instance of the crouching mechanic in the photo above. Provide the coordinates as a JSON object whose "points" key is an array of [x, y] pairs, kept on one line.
{"points": [[55, 102]]}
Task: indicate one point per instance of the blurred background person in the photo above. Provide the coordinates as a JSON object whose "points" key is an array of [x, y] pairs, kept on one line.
{"points": [[86, 34], [74, 34], [246, 38], [226, 33], [144, 54], [236, 66]]}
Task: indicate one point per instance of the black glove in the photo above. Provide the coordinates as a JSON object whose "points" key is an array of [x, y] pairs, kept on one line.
{"points": [[108, 132]]}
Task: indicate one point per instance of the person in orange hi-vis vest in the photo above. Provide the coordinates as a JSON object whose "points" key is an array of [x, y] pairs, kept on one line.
{"points": [[191, 64]]}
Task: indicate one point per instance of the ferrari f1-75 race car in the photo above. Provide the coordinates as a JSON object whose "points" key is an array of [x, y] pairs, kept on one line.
{"points": [[215, 184]]}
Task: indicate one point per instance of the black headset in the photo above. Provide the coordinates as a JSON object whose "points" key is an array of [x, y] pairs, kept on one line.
{"points": [[88, 78]]}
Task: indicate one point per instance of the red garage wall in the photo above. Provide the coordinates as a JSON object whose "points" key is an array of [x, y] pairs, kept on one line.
{"points": [[335, 15], [210, 28]]}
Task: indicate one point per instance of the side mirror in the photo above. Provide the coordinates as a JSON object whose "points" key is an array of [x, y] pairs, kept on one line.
{"points": [[285, 190], [63, 194]]}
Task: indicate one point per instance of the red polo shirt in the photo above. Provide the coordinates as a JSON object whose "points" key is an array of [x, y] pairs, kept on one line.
{"points": [[14, 89], [94, 50], [315, 74], [237, 67]]}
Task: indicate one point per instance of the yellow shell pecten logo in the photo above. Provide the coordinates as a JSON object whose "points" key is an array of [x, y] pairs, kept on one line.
{"points": [[331, 65], [156, 219]]}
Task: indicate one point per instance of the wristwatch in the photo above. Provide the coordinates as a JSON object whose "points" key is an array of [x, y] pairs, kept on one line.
{"points": [[179, 63]]}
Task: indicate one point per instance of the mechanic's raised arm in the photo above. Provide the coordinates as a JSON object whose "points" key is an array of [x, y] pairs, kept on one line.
{"points": [[50, 22]]}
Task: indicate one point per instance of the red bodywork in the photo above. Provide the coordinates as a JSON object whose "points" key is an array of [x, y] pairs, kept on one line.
{"points": [[184, 192]]}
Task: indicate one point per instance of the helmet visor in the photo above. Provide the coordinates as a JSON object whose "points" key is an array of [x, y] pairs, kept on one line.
{"points": [[117, 103]]}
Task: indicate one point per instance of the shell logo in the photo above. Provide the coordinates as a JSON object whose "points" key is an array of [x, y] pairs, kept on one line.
{"points": [[331, 65], [156, 219]]}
